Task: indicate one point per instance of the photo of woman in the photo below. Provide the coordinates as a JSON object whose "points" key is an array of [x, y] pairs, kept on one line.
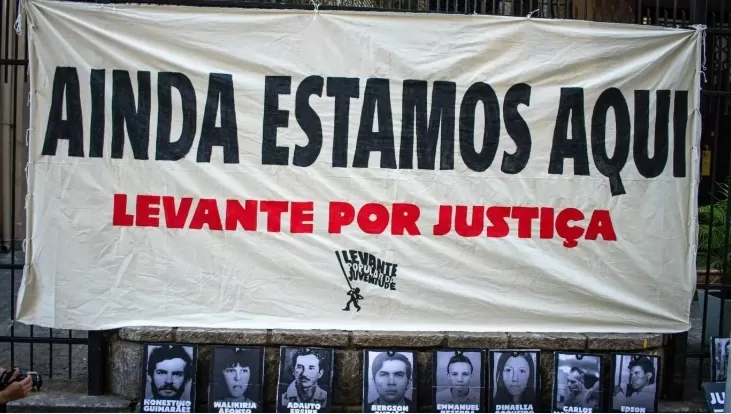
{"points": [[515, 385], [236, 379]]}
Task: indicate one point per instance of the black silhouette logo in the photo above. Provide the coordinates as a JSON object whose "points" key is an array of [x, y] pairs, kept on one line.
{"points": [[354, 298], [358, 266]]}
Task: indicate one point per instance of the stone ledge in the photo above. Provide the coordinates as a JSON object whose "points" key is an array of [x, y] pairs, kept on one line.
{"points": [[405, 339], [379, 339], [221, 336], [70, 402], [338, 339], [623, 342], [482, 340], [681, 407], [547, 341], [147, 334]]}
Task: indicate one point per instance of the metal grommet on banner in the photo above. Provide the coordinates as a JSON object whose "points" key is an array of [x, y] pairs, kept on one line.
{"points": [[390, 353]]}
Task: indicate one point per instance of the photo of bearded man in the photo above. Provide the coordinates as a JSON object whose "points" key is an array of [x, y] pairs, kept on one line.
{"points": [[169, 378]]}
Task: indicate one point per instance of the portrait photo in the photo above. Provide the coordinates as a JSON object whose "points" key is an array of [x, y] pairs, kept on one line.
{"points": [[719, 362], [515, 382], [305, 379], [389, 381], [577, 382], [458, 380], [236, 378], [634, 381], [168, 378]]}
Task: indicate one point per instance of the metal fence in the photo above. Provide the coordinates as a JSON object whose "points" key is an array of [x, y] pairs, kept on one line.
{"points": [[714, 250], [56, 354], [78, 355]]}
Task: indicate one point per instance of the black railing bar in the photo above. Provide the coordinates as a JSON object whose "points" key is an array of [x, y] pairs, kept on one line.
{"points": [[723, 11], [71, 351], [43, 340], [25, 51], [5, 33], [13, 130], [727, 226], [714, 159], [15, 46], [698, 355], [31, 348], [50, 353], [714, 287], [13, 62], [16, 266], [95, 366], [657, 12]]}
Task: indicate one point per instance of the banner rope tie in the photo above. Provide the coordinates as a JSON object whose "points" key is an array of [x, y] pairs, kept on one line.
{"points": [[19, 20], [529, 15], [702, 29], [703, 56], [316, 5]]}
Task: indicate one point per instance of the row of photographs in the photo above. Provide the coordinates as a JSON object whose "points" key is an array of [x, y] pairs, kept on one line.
{"points": [[390, 380]]}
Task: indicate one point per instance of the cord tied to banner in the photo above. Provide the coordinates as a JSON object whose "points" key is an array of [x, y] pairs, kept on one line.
{"points": [[702, 29], [316, 5], [531, 13], [18, 26], [27, 136]]}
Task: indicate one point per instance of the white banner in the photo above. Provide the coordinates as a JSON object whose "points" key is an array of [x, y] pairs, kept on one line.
{"points": [[234, 168]]}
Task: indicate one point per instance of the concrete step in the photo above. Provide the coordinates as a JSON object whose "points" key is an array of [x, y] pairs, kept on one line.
{"points": [[70, 402], [76, 402], [61, 396], [682, 407]]}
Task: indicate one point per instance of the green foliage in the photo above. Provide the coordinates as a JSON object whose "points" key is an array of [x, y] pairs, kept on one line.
{"points": [[714, 243]]}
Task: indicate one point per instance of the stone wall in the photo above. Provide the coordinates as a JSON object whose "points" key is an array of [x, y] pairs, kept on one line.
{"points": [[125, 351]]}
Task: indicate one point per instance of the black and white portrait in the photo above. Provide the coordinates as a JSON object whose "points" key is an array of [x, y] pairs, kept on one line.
{"points": [[305, 380], [515, 380], [169, 378], [577, 385], [236, 378], [389, 381], [458, 381], [634, 378], [719, 364]]}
